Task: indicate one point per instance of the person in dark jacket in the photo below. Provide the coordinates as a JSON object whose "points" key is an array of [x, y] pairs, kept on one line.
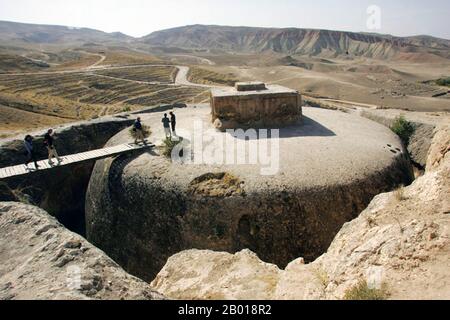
{"points": [[137, 128], [49, 143], [31, 156], [173, 122]]}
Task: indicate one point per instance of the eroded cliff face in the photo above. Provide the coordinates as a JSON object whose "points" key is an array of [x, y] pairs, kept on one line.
{"points": [[61, 191], [299, 41], [400, 242], [43, 260], [141, 223], [139, 227]]}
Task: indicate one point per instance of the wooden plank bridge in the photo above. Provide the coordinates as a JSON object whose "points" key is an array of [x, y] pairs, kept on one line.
{"points": [[98, 154]]}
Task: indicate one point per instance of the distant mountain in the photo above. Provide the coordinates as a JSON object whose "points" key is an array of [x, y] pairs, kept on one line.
{"points": [[298, 41], [22, 33], [289, 41]]}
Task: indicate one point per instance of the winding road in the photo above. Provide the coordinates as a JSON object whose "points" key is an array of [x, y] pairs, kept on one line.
{"points": [[100, 61], [182, 79]]}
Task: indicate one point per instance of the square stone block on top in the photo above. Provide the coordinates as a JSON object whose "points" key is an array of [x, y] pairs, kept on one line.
{"points": [[250, 86], [255, 105]]}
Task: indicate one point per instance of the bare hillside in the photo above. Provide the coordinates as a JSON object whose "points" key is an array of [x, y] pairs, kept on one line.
{"points": [[22, 33], [299, 41]]}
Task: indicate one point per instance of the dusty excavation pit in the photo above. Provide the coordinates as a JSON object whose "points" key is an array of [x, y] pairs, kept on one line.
{"points": [[141, 210]]}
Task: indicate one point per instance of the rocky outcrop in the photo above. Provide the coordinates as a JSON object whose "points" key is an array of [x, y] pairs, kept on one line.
{"points": [[400, 242], [42, 260], [144, 208], [439, 148], [203, 274]]}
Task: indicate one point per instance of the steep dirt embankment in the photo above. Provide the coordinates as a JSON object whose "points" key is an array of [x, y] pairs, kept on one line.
{"points": [[42, 260], [61, 191], [399, 243]]}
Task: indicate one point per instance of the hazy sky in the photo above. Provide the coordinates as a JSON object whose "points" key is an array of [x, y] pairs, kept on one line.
{"points": [[140, 17]]}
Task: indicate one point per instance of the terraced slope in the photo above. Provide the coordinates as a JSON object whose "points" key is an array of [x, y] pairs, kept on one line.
{"points": [[163, 74], [84, 95], [14, 63], [204, 76]]}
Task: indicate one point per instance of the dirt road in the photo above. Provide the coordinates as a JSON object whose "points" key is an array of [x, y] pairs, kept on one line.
{"points": [[180, 80]]}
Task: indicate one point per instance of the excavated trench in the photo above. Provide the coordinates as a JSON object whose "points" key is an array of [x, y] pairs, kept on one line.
{"points": [[193, 221], [167, 221], [141, 227], [140, 216]]}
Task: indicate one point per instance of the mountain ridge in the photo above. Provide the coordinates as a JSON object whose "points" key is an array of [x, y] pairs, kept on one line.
{"points": [[55, 34], [297, 41], [315, 42]]}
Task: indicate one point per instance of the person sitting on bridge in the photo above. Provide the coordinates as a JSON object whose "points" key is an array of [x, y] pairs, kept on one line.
{"points": [[48, 142], [166, 124], [173, 122], [31, 156], [137, 128]]}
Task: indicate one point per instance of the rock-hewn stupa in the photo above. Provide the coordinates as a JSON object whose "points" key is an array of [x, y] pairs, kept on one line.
{"points": [[282, 194]]}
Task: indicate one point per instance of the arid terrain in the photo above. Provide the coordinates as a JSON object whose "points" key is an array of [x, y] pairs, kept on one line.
{"points": [[358, 209], [51, 75]]}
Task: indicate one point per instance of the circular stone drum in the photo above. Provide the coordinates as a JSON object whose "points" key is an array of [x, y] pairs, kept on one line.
{"points": [[143, 208]]}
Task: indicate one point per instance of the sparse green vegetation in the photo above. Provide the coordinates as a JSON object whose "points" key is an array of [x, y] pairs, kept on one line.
{"points": [[404, 129], [361, 291], [443, 82], [323, 277], [169, 145], [221, 184], [145, 130], [399, 194]]}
